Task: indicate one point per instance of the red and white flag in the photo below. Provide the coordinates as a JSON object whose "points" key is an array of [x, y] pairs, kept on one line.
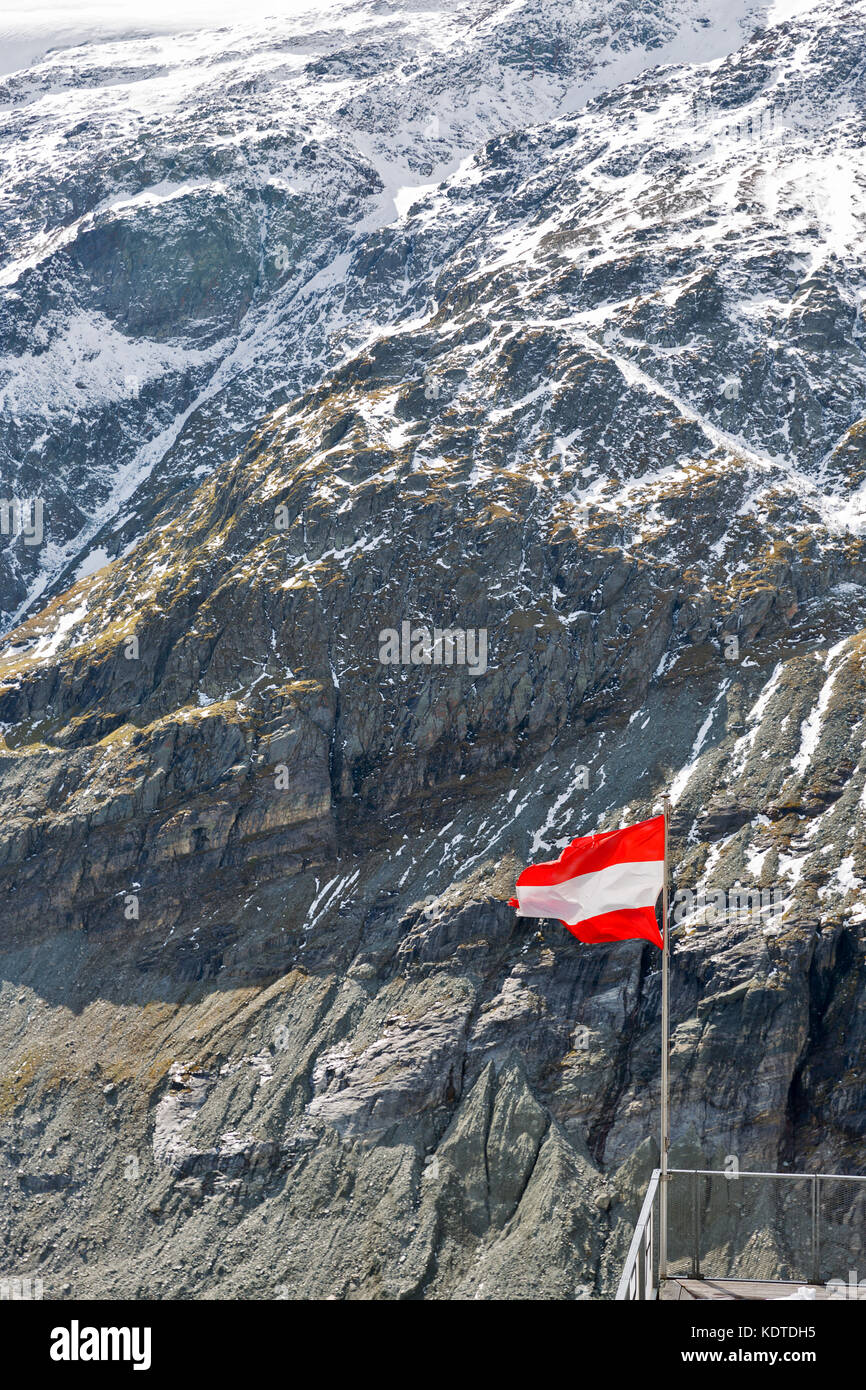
{"points": [[602, 887]]}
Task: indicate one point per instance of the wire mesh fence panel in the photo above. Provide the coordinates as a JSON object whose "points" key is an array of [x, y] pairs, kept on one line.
{"points": [[773, 1239], [743, 1226], [680, 1224], [842, 1235]]}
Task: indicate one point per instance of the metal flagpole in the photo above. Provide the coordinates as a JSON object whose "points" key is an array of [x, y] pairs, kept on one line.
{"points": [[665, 1097]]}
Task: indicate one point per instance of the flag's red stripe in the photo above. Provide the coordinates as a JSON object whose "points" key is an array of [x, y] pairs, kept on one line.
{"points": [[632, 844], [619, 926]]}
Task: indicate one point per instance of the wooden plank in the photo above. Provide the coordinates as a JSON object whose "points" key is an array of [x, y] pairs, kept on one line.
{"points": [[752, 1290]]}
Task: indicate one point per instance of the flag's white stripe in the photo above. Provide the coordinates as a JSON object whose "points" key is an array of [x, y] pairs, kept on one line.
{"points": [[605, 890]]}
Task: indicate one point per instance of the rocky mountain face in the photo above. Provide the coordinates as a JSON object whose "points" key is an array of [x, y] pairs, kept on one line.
{"points": [[541, 324]]}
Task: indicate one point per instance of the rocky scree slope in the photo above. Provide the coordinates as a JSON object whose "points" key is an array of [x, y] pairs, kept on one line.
{"points": [[269, 1029]]}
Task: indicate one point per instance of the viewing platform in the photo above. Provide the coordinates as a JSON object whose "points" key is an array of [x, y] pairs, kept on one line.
{"points": [[743, 1236]]}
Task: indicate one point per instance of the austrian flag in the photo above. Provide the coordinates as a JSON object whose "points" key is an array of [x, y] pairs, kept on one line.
{"points": [[602, 887]]}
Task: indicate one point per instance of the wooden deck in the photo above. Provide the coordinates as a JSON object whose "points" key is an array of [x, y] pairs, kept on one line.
{"points": [[735, 1290]]}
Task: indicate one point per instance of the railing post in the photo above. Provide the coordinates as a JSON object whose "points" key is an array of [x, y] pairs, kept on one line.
{"points": [[816, 1257], [641, 1270], [696, 1239]]}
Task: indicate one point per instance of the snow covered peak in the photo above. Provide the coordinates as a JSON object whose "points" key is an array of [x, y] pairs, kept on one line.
{"points": [[199, 225]]}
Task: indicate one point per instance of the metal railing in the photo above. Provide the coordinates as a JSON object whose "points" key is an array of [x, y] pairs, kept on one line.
{"points": [[638, 1276], [802, 1227]]}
